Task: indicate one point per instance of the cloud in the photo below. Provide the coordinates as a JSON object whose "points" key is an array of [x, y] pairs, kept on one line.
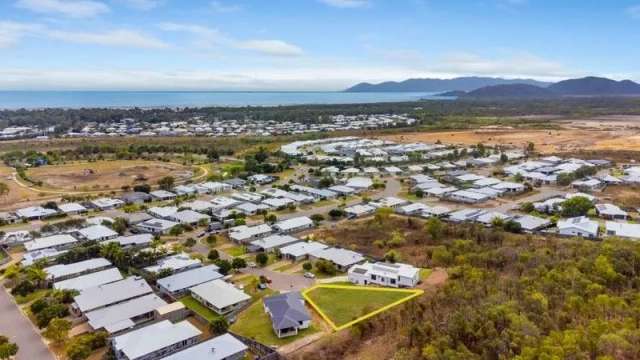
{"points": [[204, 37], [70, 8], [346, 3], [12, 32], [511, 65], [271, 47], [142, 4], [221, 7], [121, 37], [634, 11]]}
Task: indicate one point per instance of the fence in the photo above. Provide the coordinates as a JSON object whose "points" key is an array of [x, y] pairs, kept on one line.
{"points": [[260, 350]]}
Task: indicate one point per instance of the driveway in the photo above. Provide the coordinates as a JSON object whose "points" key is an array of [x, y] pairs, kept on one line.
{"points": [[20, 330], [281, 281]]}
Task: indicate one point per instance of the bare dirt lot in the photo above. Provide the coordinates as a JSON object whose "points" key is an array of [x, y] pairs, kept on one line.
{"points": [[603, 133], [85, 176]]}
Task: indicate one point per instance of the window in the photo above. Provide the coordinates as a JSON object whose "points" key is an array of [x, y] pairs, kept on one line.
{"points": [[373, 277], [393, 281]]}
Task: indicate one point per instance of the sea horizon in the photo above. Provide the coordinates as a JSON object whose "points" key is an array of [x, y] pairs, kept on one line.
{"points": [[75, 99]]}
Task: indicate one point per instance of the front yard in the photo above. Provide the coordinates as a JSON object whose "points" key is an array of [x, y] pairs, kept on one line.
{"points": [[193, 305]]}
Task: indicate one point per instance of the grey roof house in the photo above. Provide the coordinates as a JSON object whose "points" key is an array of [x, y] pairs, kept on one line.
{"points": [[288, 313]]}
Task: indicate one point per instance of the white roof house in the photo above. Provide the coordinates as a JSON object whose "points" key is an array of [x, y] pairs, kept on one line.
{"points": [[175, 263], [440, 191], [342, 190], [140, 240], [59, 241], [610, 211], [163, 212], [180, 282], [61, 271], [157, 226], [359, 210], [35, 212], [578, 226], [463, 215], [301, 249], [625, 230], [530, 223], [389, 201], [249, 208], [342, 258], [189, 217], [436, 211], [184, 189], [467, 196], [243, 232], [199, 205], [161, 338], [384, 274], [219, 296], [162, 195], [294, 224], [359, 183], [71, 208], [97, 233], [222, 347], [122, 316], [272, 242], [45, 254], [278, 202], [488, 217], [104, 295], [107, 203], [89, 280]]}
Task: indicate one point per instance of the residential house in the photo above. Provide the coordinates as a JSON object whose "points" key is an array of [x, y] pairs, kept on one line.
{"points": [[611, 212], [162, 195], [223, 347], [189, 217], [72, 208], [136, 197], [530, 224], [132, 241], [245, 234], [101, 296], [343, 259], [176, 263], [67, 271], [156, 226], [155, 341], [126, 315], [384, 274], [292, 225], [97, 233], [35, 213], [220, 296], [89, 280], [359, 210], [301, 250], [578, 226], [623, 230], [56, 242], [272, 242], [178, 284], [106, 203], [288, 313]]}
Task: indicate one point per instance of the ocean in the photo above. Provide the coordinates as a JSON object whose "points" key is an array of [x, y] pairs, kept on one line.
{"points": [[173, 99]]}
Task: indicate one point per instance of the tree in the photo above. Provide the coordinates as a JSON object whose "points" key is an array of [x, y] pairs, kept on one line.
{"points": [[166, 183], [576, 206], [238, 263], [120, 225], [326, 267], [262, 259], [213, 255], [219, 326], [307, 266], [383, 214], [224, 265], [527, 207], [336, 213], [512, 226], [211, 239], [392, 256], [397, 239], [270, 218], [317, 218], [57, 330], [145, 188], [434, 227], [190, 242], [7, 348]]}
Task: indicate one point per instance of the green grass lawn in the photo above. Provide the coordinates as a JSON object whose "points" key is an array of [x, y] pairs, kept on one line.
{"points": [[254, 323], [236, 250], [345, 305], [193, 305]]}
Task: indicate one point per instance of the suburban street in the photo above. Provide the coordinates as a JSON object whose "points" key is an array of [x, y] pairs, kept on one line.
{"points": [[20, 330]]}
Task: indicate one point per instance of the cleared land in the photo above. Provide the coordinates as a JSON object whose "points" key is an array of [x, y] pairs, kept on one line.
{"points": [[588, 134], [86, 176], [343, 305]]}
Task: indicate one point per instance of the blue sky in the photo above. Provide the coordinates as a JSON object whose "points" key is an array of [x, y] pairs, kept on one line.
{"points": [[308, 44]]}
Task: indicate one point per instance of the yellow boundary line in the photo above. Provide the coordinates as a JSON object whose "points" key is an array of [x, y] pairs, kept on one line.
{"points": [[412, 294]]}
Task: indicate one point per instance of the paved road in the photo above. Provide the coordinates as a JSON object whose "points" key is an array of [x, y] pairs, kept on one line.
{"points": [[281, 281], [20, 330]]}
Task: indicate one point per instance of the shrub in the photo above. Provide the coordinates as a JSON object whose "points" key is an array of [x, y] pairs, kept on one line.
{"points": [[262, 259]]}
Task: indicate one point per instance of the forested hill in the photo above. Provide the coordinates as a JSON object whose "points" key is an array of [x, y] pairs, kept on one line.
{"points": [[436, 85]]}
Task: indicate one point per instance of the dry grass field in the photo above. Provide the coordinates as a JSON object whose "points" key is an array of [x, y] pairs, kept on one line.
{"points": [[87, 176]]}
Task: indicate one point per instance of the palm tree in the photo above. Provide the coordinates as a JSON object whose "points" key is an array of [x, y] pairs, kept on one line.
{"points": [[36, 275]]}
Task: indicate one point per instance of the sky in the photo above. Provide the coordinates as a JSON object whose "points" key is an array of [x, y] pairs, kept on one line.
{"points": [[308, 44]]}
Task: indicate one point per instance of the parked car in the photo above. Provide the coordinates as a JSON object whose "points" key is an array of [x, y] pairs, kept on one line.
{"points": [[309, 275]]}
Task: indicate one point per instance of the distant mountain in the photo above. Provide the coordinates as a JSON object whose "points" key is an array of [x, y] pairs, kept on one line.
{"points": [[457, 93], [595, 86], [510, 91], [435, 85]]}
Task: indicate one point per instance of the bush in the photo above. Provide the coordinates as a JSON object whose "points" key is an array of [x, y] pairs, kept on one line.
{"points": [[336, 213], [218, 326], [190, 242], [307, 266], [262, 259], [326, 267], [38, 305], [238, 263], [224, 265], [24, 288], [213, 255], [82, 346], [50, 312], [576, 206]]}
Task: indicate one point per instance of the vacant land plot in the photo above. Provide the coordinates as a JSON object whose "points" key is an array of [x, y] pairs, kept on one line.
{"points": [[254, 323], [344, 305], [627, 197], [86, 176], [546, 141]]}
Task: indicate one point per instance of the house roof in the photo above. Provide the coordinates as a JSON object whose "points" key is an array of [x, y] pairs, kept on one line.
{"points": [[244, 232], [338, 256], [175, 263], [49, 242], [189, 278], [610, 210], [359, 182], [135, 240], [360, 209], [62, 270], [189, 216], [107, 294], [220, 293], [151, 338], [287, 310], [623, 229], [90, 280], [97, 232], [293, 223], [35, 211], [582, 223], [530, 223], [302, 248], [162, 194], [118, 317], [218, 348], [274, 241], [163, 212], [159, 224], [71, 207]]}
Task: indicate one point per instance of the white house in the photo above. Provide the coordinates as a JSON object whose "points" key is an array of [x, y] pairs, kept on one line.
{"points": [[611, 212], [155, 341], [223, 347], [578, 226], [625, 230], [294, 224], [384, 274], [220, 296]]}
